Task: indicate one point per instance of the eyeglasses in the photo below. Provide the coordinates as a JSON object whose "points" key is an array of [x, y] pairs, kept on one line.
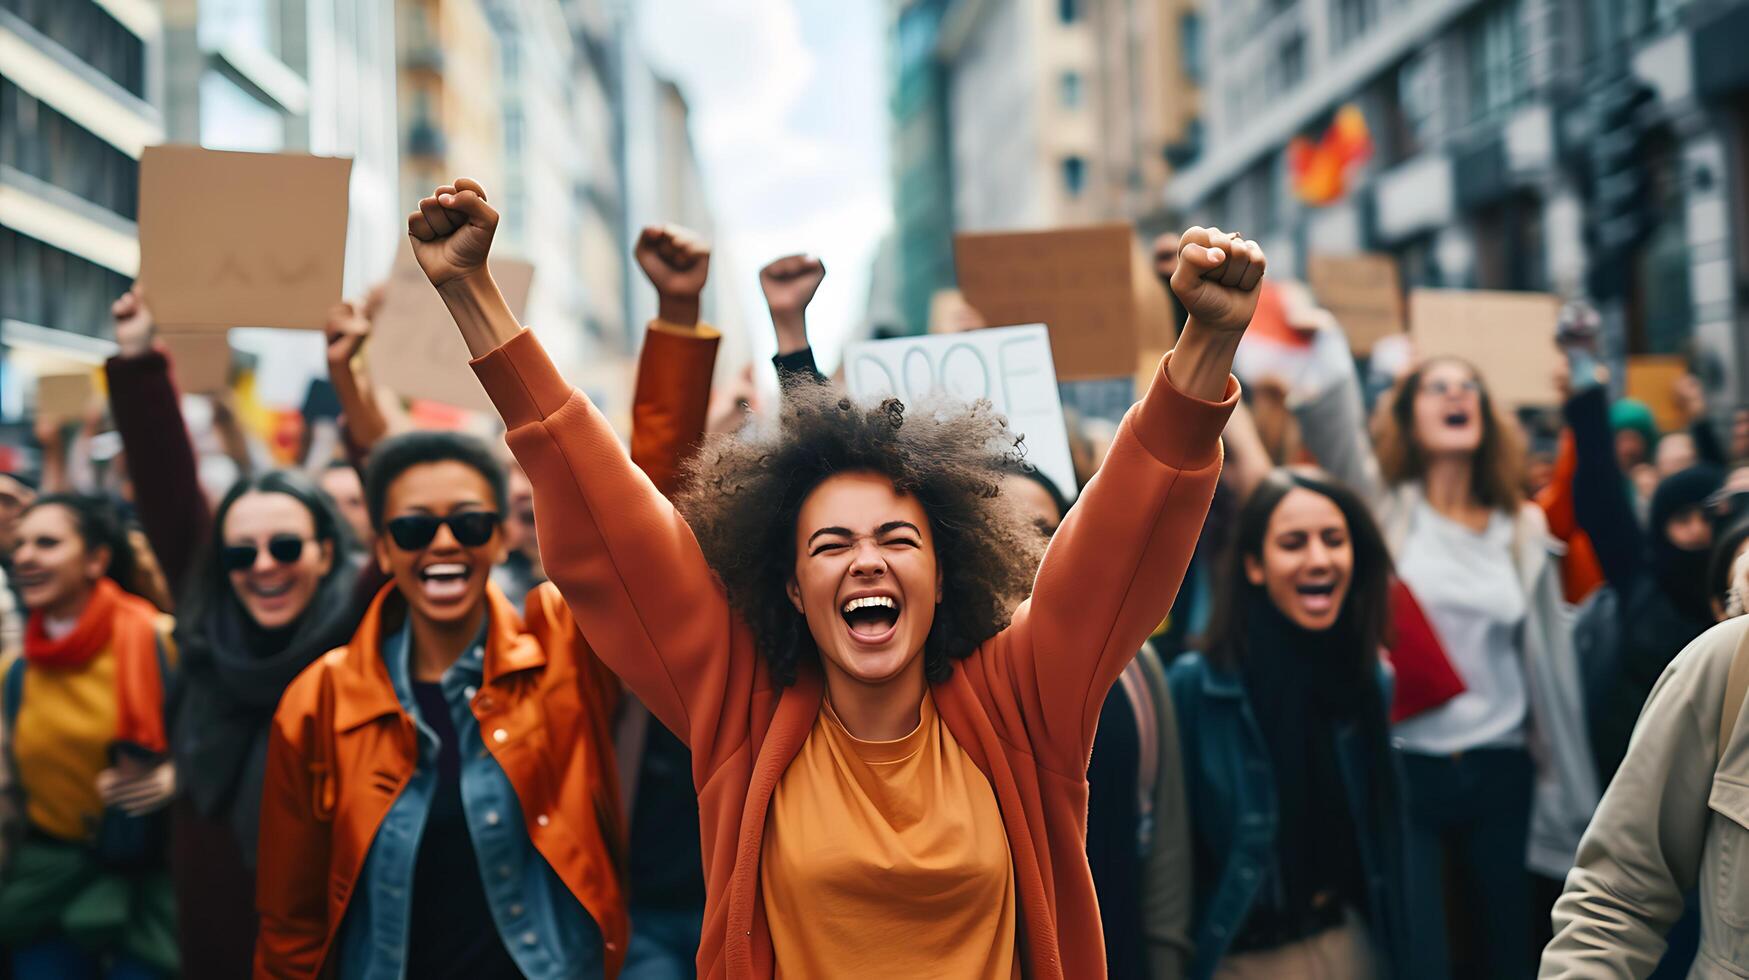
{"points": [[471, 529], [282, 548], [1439, 389]]}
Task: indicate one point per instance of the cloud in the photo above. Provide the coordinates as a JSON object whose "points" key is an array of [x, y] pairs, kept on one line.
{"points": [[787, 101]]}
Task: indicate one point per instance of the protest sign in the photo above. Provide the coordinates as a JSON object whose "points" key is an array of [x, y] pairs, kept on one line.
{"points": [[64, 397], [241, 239], [415, 349], [1093, 287], [202, 360], [1509, 337], [1652, 379], [1010, 366], [1364, 294]]}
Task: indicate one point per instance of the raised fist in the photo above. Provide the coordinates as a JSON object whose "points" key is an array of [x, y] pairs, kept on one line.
{"points": [[677, 262], [452, 231], [1217, 277], [347, 329], [133, 322], [789, 283]]}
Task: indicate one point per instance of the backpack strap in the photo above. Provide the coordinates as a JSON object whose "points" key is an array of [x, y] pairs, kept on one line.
{"points": [[1735, 688], [13, 695]]}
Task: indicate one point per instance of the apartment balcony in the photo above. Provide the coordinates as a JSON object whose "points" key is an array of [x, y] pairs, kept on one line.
{"points": [[425, 138]]}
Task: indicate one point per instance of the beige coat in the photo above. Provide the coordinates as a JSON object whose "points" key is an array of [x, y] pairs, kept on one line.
{"points": [[1675, 818]]}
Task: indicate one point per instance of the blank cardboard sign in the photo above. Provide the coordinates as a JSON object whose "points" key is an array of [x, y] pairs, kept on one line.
{"points": [[1652, 379], [242, 239], [1509, 337], [1364, 294], [415, 349], [202, 361], [1010, 366], [1091, 286], [64, 396]]}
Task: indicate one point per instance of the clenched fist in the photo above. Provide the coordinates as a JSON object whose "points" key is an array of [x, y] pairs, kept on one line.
{"points": [[677, 262], [452, 231], [133, 322], [789, 285], [1217, 278]]}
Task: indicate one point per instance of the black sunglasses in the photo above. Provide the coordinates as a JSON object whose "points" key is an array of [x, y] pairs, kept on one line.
{"points": [[471, 529], [284, 549]]}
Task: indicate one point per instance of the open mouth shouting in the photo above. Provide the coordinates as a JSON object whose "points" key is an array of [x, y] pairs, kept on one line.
{"points": [[871, 618], [1457, 419], [1317, 598], [444, 583]]}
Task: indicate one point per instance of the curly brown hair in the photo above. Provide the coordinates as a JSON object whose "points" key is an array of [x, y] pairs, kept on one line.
{"points": [[743, 494], [1496, 477]]}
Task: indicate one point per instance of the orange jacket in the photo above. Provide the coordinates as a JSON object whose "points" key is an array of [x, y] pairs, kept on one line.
{"points": [[544, 688], [1024, 705], [1580, 572]]}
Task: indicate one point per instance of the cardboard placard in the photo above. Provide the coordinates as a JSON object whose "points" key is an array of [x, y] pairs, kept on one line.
{"points": [[1363, 292], [414, 348], [202, 361], [1652, 379], [241, 239], [1011, 366], [64, 397], [1092, 286], [1508, 336]]}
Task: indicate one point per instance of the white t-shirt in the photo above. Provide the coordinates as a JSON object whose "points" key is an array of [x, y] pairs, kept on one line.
{"points": [[1467, 583]]}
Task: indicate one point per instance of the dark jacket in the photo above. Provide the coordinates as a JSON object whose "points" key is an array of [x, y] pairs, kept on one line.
{"points": [[1230, 786]]}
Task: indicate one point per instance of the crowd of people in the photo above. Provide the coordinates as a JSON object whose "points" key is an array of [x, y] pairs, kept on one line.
{"points": [[1313, 679]]}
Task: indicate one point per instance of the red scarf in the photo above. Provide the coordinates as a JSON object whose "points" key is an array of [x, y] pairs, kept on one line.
{"points": [[113, 619]]}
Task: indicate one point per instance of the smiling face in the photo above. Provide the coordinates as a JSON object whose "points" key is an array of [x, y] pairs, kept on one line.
{"points": [[865, 577], [275, 588], [1307, 562], [341, 483], [443, 580], [53, 568], [1448, 410]]}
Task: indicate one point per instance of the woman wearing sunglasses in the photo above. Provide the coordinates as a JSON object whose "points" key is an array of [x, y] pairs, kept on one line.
{"points": [[267, 584], [440, 798]]}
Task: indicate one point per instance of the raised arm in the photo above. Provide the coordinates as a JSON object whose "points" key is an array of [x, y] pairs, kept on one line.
{"points": [[1115, 563], [1327, 401], [789, 284], [625, 561], [148, 414], [673, 392], [347, 331], [1600, 490]]}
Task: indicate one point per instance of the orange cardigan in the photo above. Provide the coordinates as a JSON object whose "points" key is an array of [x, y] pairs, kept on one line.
{"points": [[1581, 574], [1024, 705]]}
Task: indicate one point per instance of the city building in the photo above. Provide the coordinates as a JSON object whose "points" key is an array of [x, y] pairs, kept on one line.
{"points": [[81, 95], [922, 160], [1514, 144]]}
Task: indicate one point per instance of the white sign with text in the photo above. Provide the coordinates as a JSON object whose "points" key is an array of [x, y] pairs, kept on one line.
{"points": [[1011, 366]]}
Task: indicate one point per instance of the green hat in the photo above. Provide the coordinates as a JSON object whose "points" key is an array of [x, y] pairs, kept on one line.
{"points": [[1631, 413]]}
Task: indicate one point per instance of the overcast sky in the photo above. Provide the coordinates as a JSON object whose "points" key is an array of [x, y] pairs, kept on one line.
{"points": [[788, 102]]}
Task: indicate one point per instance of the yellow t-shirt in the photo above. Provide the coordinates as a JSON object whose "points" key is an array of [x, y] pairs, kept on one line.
{"points": [[888, 859], [60, 742]]}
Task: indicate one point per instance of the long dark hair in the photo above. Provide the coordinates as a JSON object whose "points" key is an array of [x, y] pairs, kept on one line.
{"points": [[99, 525], [1366, 611], [210, 584]]}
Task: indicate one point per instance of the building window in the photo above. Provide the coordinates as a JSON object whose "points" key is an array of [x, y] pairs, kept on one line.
{"points": [[1190, 41], [1074, 175], [41, 142], [87, 31], [232, 119], [1498, 77], [1071, 89], [52, 288], [1353, 19], [1288, 69], [1068, 11]]}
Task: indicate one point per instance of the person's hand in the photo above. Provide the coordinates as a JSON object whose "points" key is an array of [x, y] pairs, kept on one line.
{"points": [[347, 329], [789, 285], [47, 430], [1217, 278], [137, 789], [134, 329], [452, 231], [676, 262], [1691, 397]]}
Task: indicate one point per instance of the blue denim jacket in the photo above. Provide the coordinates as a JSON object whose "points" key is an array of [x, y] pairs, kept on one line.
{"points": [[1230, 787], [544, 928]]}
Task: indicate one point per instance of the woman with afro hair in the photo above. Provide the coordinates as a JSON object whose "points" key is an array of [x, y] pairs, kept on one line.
{"points": [[891, 770]]}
